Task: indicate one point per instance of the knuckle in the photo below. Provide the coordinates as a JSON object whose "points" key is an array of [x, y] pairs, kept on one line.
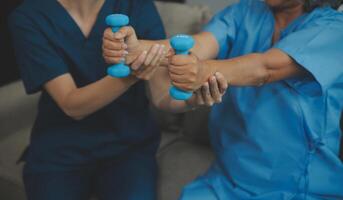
{"points": [[117, 60], [173, 60], [112, 60], [189, 88], [130, 28], [146, 62], [193, 72], [104, 45], [194, 59]]}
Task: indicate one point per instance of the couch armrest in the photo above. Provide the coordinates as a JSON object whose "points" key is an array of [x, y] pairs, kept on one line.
{"points": [[17, 110]]}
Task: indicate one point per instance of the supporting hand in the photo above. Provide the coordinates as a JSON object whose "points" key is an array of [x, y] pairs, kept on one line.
{"points": [[145, 66], [210, 93]]}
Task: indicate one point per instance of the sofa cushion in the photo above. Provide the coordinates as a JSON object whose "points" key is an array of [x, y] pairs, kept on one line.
{"points": [[188, 19], [10, 191], [18, 110], [179, 164], [17, 115], [195, 126], [11, 149]]}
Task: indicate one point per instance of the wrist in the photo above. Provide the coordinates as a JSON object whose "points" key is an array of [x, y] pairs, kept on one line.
{"points": [[144, 45], [135, 51], [210, 68], [131, 80], [128, 81]]}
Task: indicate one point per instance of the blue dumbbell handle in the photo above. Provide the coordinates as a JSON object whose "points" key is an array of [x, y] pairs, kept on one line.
{"points": [[175, 92], [117, 21]]}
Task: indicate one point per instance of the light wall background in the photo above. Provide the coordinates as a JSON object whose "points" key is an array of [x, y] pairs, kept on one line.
{"points": [[215, 5]]}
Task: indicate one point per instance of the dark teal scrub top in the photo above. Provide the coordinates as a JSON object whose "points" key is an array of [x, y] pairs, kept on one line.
{"points": [[49, 43]]}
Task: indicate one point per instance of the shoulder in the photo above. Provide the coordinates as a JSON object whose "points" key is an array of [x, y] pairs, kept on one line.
{"points": [[324, 18], [22, 16], [140, 3], [328, 14], [27, 12], [244, 8], [253, 5]]}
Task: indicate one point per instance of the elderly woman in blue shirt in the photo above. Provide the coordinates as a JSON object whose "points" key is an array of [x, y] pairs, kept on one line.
{"points": [[276, 134]]}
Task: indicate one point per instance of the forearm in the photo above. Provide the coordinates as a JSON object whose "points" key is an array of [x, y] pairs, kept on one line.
{"points": [[205, 47], [166, 103], [78, 103], [256, 69], [159, 95], [241, 71]]}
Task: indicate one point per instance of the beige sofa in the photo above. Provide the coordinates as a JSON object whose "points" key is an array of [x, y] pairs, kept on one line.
{"points": [[183, 155]]}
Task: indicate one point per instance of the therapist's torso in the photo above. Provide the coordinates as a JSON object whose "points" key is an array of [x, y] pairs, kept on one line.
{"points": [[54, 46]]}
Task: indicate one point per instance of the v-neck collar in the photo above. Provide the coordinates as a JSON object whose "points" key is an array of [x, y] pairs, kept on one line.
{"points": [[70, 24], [289, 28]]}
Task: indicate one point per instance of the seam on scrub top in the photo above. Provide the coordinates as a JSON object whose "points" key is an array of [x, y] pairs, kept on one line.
{"points": [[304, 170]]}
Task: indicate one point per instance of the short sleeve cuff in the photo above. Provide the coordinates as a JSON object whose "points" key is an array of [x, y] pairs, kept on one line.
{"points": [[220, 37], [310, 84], [34, 86]]}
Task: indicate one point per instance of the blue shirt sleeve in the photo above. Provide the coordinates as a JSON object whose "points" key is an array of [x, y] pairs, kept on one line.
{"points": [[149, 25], [317, 48], [38, 60], [224, 26]]}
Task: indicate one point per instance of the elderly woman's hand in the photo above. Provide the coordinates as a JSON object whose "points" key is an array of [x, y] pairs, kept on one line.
{"points": [[187, 72], [210, 93]]}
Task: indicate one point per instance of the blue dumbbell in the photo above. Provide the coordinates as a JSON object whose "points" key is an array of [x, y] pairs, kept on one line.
{"points": [[181, 45], [116, 21]]}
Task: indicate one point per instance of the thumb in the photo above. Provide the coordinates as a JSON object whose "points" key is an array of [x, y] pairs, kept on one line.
{"points": [[126, 32]]}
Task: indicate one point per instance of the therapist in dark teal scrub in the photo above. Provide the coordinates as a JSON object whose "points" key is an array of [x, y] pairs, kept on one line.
{"points": [[93, 133]]}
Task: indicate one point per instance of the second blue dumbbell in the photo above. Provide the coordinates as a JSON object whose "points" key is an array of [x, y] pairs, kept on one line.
{"points": [[116, 21], [181, 45]]}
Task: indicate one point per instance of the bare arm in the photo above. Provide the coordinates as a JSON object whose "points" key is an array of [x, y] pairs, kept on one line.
{"points": [[159, 83], [257, 69], [206, 46], [159, 86], [124, 43], [210, 93], [188, 72], [78, 103]]}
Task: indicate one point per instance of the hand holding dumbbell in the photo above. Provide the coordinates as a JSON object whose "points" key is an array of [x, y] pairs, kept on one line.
{"points": [[116, 21], [181, 45]]}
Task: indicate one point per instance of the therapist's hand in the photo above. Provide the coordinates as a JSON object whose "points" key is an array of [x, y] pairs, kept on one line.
{"points": [[188, 73], [122, 45], [145, 66], [210, 92]]}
